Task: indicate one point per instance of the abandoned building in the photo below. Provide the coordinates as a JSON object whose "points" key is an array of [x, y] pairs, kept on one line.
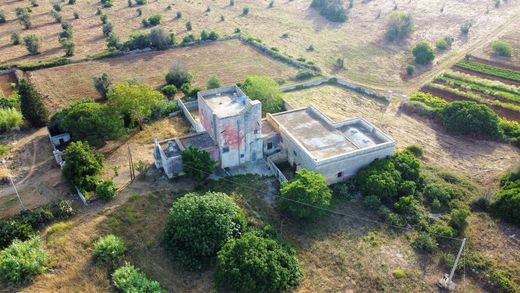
{"points": [[232, 130]]}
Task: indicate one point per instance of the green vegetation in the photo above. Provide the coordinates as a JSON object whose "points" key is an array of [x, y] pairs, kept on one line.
{"points": [[400, 26], [31, 105], [9, 118], [502, 48], [134, 100], [32, 43], [129, 279], [2, 16], [82, 165], [333, 10], [469, 118], [90, 121], [22, 261], [304, 74], [491, 70], [24, 17], [199, 225], [102, 84], [169, 90], [109, 249], [178, 75], [507, 204], [254, 263], [214, 82], [266, 90], [444, 43], [307, 189], [423, 53], [106, 190], [197, 164]]}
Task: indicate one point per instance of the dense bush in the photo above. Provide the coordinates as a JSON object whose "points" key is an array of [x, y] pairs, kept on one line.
{"points": [[31, 105], [82, 165], [507, 204], [333, 10], [305, 74], [22, 261], [425, 243], [24, 17], [109, 249], [32, 43], [410, 69], [198, 226], [129, 279], [37, 217], [137, 41], [106, 190], [14, 229], [416, 150], [154, 19], [400, 26], [266, 90], [257, 264], [458, 219], [160, 39], [197, 163], [307, 189], [92, 122], [9, 118], [502, 48], [214, 82], [380, 179], [169, 90], [438, 195], [444, 43], [102, 84], [423, 53], [178, 75], [470, 118], [134, 100]]}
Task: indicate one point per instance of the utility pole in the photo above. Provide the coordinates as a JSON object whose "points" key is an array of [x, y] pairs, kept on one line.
{"points": [[14, 186], [447, 281], [131, 164]]}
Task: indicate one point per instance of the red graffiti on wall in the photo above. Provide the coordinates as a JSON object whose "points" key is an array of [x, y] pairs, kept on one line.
{"points": [[230, 136]]}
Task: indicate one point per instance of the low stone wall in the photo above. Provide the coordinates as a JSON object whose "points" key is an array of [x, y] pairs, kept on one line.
{"points": [[184, 108], [272, 166]]}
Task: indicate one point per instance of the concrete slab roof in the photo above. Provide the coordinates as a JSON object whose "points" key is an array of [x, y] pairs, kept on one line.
{"points": [[172, 147], [226, 101], [322, 138]]}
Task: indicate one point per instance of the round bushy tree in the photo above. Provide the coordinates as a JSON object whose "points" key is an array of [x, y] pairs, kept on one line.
{"points": [[507, 205], [266, 90], [109, 249], [106, 190], [22, 261], [82, 165], [178, 75], [130, 279], [301, 196], [214, 82], [470, 118], [380, 178], [423, 53], [257, 264], [502, 48], [198, 226], [400, 26], [197, 164]]}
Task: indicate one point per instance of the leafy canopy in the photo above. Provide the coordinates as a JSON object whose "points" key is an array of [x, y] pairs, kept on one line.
{"points": [[134, 100], [31, 105], [129, 279], [423, 53], [266, 90], [197, 163], [400, 26], [199, 225], [22, 261], [109, 249], [257, 264], [82, 164], [470, 118], [309, 188]]}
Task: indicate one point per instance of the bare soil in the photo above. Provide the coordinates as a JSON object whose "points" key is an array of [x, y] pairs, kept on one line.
{"points": [[481, 160], [230, 60]]}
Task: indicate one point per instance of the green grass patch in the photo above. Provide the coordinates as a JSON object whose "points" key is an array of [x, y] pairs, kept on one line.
{"points": [[490, 70]]}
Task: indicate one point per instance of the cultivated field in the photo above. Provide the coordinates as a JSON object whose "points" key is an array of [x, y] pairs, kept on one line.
{"points": [[512, 37], [481, 160], [236, 60], [369, 59]]}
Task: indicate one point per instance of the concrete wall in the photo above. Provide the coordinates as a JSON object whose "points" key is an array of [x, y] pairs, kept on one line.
{"points": [[185, 109]]}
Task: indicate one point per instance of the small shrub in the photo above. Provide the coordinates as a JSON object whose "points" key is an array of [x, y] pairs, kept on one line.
{"points": [[62, 209], [245, 10], [507, 205], [444, 43], [214, 82], [14, 229], [410, 69], [423, 53], [169, 90], [458, 219], [82, 165], [399, 273], [178, 75], [189, 27], [154, 19], [2, 16], [109, 249], [15, 39], [465, 27], [502, 48], [9, 118], [22, 261], [179, 15], [400, 26], [32, 43], [425, 242], [141, 2], [197, 163], [304, 74], [76, 15], [106, 190], [332, 10], [129, 279]]}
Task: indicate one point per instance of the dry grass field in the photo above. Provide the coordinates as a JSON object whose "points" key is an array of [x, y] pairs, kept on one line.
{"points": [[512, 37], [236, 60], [481, 160], [369, 59]]}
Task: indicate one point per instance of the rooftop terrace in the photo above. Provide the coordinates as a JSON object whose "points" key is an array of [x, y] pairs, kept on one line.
{"points": [[324, 139], [225, 102]]}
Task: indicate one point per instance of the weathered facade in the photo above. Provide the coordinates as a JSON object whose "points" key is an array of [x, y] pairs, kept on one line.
{"points": [[234, 133]]}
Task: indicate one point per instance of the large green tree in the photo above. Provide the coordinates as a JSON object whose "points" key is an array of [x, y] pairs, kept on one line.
{"points": [[423, 53], [133, 100], [82, 165], [305, 194], [266, 90], [254, 263], [22, 261], [470, 118], [31, 105], [199, 225], [197, 164], [93, 122]]}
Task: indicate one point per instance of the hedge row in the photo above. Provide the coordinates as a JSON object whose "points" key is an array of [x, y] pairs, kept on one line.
{"points": [[37, 65], [490, 70]]}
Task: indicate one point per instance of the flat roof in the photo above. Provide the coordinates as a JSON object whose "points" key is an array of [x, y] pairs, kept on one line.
{"points": [[226, 101], [200, 140], [320, 137]]}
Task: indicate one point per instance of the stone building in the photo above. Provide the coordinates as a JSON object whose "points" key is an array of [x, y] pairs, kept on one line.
{"points": [[234, 133]]}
